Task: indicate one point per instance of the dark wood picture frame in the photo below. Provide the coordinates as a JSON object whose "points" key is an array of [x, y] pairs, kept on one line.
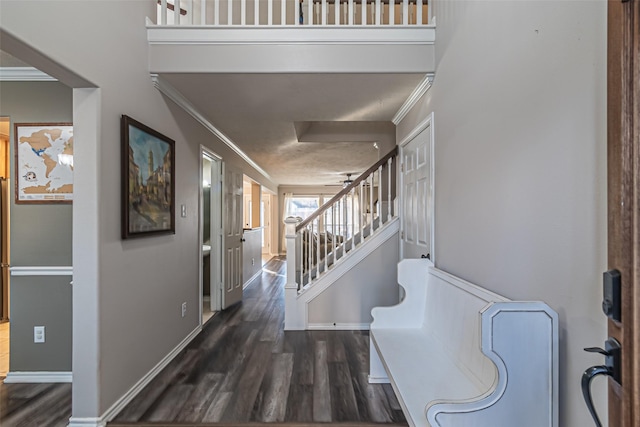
{"points": [[51, 162], [148, 181]]}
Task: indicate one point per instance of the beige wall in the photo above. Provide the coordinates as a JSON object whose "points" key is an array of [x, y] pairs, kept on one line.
{"points": [[519, 100]]}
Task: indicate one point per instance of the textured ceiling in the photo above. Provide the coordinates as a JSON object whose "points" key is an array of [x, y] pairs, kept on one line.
{"points": [[260, 112]]}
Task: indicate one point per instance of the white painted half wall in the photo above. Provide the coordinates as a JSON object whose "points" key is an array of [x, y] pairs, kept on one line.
{"points": [[519, 100]]}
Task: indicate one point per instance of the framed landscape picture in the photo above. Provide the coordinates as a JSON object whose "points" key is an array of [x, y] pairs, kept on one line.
{"points": [[148, 181], [44, 162]]}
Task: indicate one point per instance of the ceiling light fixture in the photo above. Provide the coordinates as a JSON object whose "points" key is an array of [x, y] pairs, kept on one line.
{"points": [[347, 182]]}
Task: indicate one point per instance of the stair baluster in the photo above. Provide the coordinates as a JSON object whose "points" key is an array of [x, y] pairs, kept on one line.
{"points": [[341, 224]]}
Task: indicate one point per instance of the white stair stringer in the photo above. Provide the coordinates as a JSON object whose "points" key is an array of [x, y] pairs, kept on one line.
{"points": [[297, 302]]}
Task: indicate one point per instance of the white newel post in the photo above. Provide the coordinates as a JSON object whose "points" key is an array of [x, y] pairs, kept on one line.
{"points": [[293, 317]]}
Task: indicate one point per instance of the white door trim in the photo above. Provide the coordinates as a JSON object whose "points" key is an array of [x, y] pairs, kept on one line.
{"points": [[215, 259], [426, 123]]}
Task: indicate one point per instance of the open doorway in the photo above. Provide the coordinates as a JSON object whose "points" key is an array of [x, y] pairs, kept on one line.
{"points": [[211, 237], [266, 215], [4, 245]]}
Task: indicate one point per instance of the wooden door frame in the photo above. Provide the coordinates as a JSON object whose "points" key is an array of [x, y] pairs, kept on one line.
{"points": [[623, 185]]}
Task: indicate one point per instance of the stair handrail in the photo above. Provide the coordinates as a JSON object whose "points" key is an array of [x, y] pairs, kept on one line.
{"points": [[322, 209]]}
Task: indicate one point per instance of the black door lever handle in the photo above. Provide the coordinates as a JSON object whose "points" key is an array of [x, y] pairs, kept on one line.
{"points": [[597, 350], [611, 368], [587, 377]]}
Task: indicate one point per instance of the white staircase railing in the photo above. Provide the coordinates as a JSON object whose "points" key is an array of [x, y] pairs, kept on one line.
{"points": [[340, 225], [294, 12]]}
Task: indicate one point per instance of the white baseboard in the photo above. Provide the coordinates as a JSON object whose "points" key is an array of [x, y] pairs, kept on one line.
{"points": [[86, 422], [258, 273], [38, 377], [141, 384], [378, 380], [338, 326]]}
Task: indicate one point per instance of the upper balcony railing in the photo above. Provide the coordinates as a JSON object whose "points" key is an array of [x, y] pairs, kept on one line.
{"points": [[294, 12]]}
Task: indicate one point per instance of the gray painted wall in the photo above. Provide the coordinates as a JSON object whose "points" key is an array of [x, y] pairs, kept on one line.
{"points": [[40, 301], [40, 236], [519, 99], [127, 305], [251, 253], [373, 282]]}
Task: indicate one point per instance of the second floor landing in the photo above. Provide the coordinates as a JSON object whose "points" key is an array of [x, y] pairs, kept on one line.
{"points": [[286, 36]]}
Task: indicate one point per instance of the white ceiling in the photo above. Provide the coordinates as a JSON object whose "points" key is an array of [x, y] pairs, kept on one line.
{"points": [[258, 112]]}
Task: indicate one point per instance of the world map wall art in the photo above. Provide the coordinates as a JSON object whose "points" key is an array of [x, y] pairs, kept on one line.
{"points": [[148, 184], [44, 162]]}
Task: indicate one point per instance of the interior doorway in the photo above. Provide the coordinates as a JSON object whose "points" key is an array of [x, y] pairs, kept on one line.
{"points": [[416, 177], [5, 127], [211, 234], [265, 220]]}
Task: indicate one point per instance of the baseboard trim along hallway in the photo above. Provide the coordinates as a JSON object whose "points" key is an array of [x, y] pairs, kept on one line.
{"points": [[20, 377], [140, 385]]}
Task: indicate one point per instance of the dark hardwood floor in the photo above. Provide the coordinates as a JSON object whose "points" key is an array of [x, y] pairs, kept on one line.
{"points": [[242, 369], [35, 405]]}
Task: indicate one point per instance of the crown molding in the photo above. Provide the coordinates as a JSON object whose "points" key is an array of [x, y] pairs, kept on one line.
{"points": [[24, 74], [172, 93], [413, 99]]}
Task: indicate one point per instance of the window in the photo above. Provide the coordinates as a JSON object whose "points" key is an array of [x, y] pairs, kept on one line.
{"points": [[301, 206]]}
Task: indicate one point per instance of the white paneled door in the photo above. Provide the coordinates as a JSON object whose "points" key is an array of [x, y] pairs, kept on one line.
{"points": [[232, 292], [417, 195], [265, 212]]}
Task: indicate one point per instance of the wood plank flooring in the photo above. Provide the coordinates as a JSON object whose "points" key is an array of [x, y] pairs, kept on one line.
{"points": [[23, 405], [242, 369]]}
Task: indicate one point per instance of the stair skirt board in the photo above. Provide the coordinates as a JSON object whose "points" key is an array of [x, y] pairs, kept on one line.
{"points": [[341, 267], [338, 326], [350, 260]]}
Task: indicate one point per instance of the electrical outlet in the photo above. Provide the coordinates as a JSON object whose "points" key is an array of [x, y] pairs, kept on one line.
{"points": [[38, 334], [184, 309], [253, 261], [183, 211]]}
